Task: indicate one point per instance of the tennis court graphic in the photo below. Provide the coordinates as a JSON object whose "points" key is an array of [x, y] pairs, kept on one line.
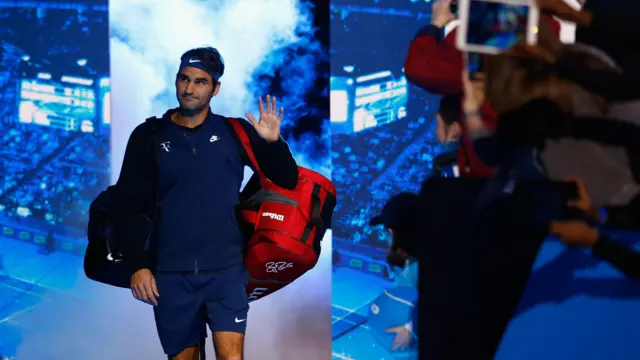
{"points": [[353, 291]]}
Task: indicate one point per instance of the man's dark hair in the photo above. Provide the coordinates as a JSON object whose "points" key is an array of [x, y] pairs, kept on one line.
{"points": [[405, 237], [450, 108], [210, 58]]}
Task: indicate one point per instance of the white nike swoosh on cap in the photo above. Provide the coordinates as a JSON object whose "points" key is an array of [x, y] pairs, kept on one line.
{"points": [[239, 321], [193, 60]]}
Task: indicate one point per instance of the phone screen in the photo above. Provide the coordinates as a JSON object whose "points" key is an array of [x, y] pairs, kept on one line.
{"points": [[495, 24], [450, 171], [454, 6], [475, 63]]}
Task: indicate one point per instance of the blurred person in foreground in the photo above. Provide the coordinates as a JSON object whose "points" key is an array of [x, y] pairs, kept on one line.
{"points": [[400, 217], [188, 181], [586, 233], [434, 64], [550, 127], [610, 25], [609, 30], [525, 98]]}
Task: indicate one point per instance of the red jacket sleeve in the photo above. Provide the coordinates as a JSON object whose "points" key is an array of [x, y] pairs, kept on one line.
{"points": [[556, 27], [432, 64], [436, 65]]}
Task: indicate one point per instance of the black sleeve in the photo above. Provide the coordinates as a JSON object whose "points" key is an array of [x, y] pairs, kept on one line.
{"points": [[135, 198], [625, 259], [493, 150], [275, 159], [611, 85], [527, 125], [619, 22], [603, 130], [432, 31], [534, 122]]}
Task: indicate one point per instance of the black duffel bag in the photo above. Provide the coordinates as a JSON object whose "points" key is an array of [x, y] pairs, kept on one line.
{"points": [[103, 260]]}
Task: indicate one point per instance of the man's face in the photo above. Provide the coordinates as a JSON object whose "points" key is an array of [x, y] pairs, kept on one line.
{"points": [[195, 88]]}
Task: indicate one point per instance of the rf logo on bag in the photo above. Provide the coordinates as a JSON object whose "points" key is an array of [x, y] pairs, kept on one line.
{"points": [[274, 267]]}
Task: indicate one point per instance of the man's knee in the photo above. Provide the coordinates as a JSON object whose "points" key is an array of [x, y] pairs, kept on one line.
{"points": [[190, 353], [228, 345]]}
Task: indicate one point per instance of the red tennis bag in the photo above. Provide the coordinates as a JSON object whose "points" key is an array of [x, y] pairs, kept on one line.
{"points": [[282, 228]]}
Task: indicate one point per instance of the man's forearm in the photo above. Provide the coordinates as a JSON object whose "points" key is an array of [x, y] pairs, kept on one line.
{"points": [[132, 231], [433, 64], [277, 163], [581, 18], [476, 127], [487, 145]]}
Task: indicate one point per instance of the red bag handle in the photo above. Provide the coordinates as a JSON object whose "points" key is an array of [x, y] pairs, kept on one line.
{"points": [[246, 144]]}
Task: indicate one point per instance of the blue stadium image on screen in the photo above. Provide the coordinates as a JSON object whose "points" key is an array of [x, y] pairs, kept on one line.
{"points": [[54, 151], [383, 143], [575, 306]]}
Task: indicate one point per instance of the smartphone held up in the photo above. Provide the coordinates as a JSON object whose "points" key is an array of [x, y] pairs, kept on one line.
{"points": [[494, 26]]}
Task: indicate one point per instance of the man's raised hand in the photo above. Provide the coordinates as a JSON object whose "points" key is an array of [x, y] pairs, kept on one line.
{"points": [[268, 126]]}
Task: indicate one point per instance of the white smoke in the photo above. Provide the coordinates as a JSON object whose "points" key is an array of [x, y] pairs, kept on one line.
{"points": [[148, 37]]}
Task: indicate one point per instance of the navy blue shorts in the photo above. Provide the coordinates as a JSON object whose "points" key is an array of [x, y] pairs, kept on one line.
{"points": [[188, 302]]}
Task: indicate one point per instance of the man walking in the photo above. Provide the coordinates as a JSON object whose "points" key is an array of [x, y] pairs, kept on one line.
{"points": [[190, 266]]}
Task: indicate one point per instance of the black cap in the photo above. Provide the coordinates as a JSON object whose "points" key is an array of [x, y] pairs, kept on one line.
{"points": [[397, 211]]}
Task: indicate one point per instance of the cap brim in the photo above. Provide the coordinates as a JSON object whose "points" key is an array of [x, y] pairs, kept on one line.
{"points": [[376, 221]]}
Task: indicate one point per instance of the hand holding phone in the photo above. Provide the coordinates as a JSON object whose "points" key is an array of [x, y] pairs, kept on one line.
{"points": [[454, 6], [441, 13], [582, 200], [533, 52], [475, 65], [493, 26], [473, 92]]}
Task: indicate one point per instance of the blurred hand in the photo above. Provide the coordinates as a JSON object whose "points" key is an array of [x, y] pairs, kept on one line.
{"points": [[558, 8], [533, 52], [402, 339], [441, 13], [575, 232], [583, 202], [143, 287], [473, 92]]}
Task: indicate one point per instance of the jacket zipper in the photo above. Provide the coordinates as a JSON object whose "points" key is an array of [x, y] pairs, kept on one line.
{"points": [[193, 151]]}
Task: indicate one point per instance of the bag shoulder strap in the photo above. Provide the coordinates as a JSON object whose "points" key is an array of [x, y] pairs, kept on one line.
{"points": [[246, 143], [156, 125], [154, 142]]}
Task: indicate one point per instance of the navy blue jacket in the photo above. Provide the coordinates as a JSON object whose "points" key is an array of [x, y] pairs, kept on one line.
{"points": [[194, 177]]}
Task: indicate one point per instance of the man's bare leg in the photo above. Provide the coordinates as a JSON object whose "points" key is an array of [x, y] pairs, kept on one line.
{"points": [[190, 353], [228, 345]]}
